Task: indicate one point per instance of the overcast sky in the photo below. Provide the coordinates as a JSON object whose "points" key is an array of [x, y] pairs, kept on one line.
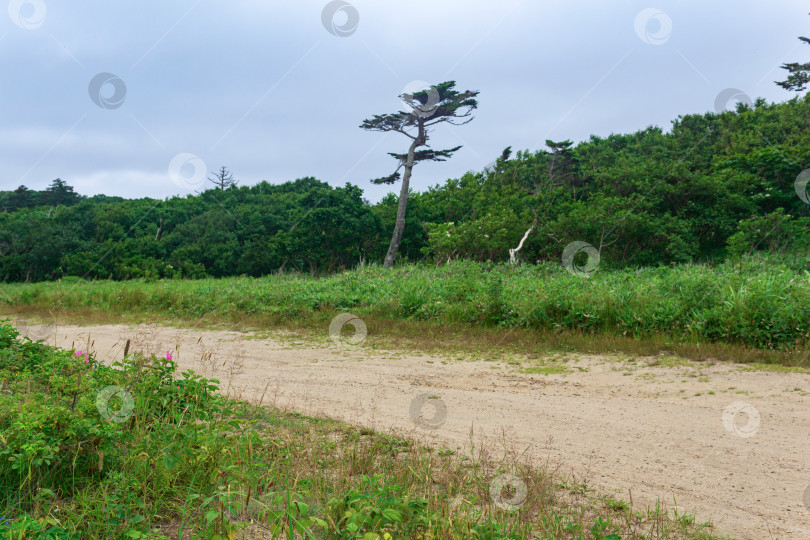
{"points": [[276, 90]]}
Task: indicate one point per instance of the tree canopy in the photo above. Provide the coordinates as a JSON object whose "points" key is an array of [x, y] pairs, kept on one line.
{"points": [[712, 186]]}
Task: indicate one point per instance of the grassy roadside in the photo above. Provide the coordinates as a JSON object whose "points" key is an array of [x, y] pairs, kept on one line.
{"points": [[759, 313], [760, 305], [140, 451]]}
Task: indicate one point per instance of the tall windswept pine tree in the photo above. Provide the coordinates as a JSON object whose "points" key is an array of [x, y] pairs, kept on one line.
{"points": [[434, 105]]}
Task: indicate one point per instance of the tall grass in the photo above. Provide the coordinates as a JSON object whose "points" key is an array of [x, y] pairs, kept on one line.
{"points": [[756, 302]]}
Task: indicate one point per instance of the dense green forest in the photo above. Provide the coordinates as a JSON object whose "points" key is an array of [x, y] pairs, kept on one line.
{"points": [[714, 186]]}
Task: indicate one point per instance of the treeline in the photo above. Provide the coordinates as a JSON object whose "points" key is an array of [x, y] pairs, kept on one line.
{"points": [[58, 193], [716, 185], [305, 225]]}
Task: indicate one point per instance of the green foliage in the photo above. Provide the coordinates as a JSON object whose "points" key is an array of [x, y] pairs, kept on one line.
{"points": [[761, 301], [381, 510], [646, 198], [773, 233], [304, 225], [60, 439], [485, 239]]}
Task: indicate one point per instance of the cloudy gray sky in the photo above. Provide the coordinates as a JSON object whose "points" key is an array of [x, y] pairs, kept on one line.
{"points": [[270, 90]]}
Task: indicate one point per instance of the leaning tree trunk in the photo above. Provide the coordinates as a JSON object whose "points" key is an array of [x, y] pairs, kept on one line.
{"points": [[399, 226]]}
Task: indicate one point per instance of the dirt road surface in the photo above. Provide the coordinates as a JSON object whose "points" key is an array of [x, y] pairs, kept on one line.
{"points": [[727, 442]]}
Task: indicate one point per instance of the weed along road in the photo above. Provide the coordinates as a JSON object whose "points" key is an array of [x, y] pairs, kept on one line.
{"points": [[729, 442]]}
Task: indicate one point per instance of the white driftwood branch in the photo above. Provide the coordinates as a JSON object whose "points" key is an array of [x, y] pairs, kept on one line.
{"points": [[513, 252]]}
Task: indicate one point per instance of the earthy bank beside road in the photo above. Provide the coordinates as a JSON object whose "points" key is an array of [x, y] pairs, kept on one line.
{"points": [[650, 427]]}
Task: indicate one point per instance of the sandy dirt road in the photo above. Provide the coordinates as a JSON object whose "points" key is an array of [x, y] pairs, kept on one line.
{"points": [[730, 443]]}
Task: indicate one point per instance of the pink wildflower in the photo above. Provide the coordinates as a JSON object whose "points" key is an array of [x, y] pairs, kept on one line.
{"points": [[168, 355]]}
